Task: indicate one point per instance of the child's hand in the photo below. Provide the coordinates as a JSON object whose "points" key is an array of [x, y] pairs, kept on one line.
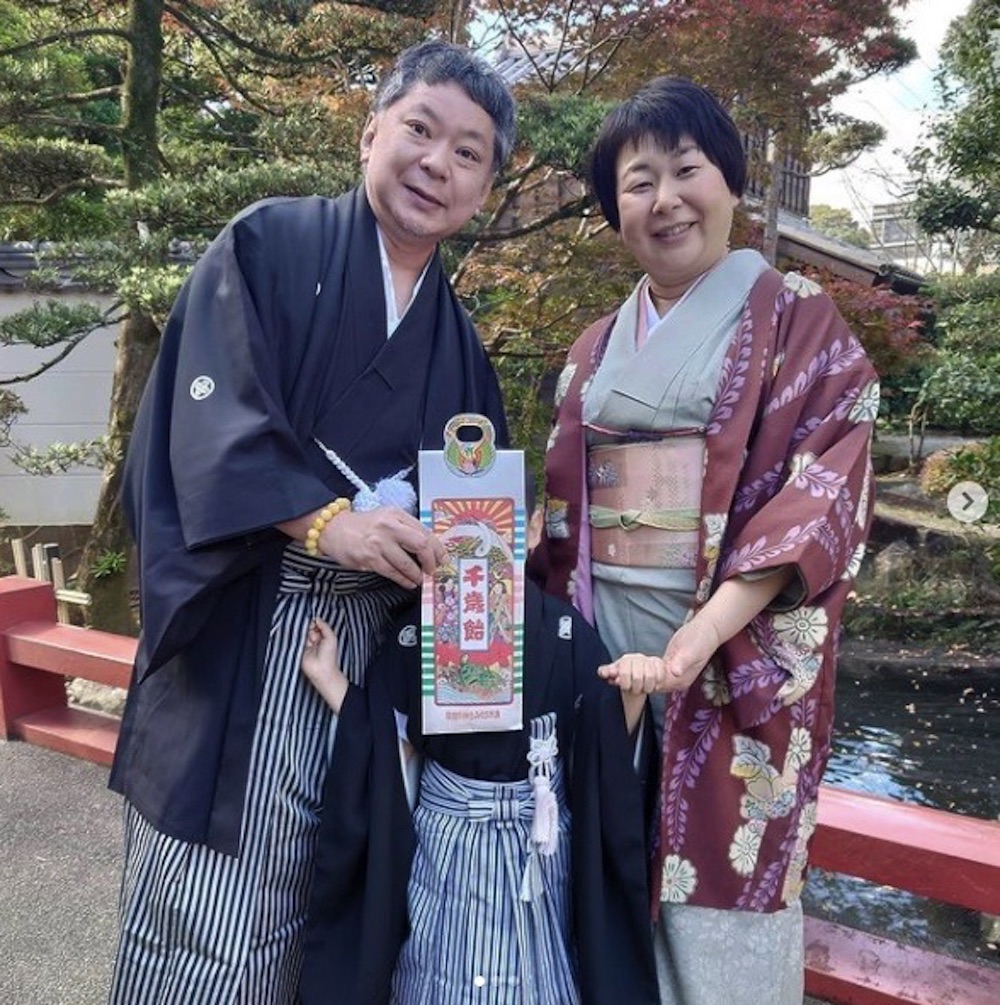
{"points": [[638, 674], [320, 663]]}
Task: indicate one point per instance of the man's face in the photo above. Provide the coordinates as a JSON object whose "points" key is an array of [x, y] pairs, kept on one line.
{"points": [[428, 164]]}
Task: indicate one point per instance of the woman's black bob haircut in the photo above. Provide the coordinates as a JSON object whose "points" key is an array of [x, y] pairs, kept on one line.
{"points": [[665, 110]]}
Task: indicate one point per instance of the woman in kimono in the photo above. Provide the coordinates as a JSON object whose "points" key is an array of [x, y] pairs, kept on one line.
{"points": [[316, 347], [478, 899], [708, 496]]}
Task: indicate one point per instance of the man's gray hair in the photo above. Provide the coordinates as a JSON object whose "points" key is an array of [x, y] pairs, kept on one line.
{"points": [[439, 62]]}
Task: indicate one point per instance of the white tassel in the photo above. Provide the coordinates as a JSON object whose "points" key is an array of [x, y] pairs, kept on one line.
{"points": [[545, 823], [394, 491]]}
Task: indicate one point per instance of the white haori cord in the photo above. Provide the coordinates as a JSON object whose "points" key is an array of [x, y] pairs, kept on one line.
{"points": [[392, 491]]}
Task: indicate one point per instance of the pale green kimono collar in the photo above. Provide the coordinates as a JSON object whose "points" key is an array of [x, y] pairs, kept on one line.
{"points": [[708, 310]]}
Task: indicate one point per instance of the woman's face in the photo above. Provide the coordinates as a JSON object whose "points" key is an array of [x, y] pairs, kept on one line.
{"points": [[675, 210]]}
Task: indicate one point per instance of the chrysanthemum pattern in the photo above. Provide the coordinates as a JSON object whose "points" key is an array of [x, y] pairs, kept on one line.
{"points": [[865, 409], [679, 881], [801, 286], [804, 627], [745, 847], [769, 794]]}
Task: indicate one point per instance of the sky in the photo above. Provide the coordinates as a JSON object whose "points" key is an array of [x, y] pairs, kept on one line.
{"points": [[901, 103]]}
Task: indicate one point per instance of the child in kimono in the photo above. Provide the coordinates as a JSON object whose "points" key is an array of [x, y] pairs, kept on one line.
{"points": [[477, 897]]}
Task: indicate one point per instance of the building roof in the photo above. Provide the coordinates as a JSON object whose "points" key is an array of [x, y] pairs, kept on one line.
{"points": [[798, 241], [518, 63], [16, 262]]}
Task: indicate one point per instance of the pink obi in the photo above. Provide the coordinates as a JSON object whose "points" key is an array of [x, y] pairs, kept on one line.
{"points": [[645, 502]]}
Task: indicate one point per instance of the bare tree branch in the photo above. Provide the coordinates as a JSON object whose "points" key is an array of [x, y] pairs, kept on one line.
{"points": [[564, 212], [77, 185], [189, 13], [68, 346], [112, 91], [228, 74], [66, 36]]}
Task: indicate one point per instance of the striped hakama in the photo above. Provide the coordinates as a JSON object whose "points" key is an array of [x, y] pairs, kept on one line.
{"points": [[203, 928], [489, 914]]}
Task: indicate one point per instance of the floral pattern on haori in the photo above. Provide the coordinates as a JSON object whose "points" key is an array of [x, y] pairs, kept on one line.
{"points": [[801, 286], [803, 669], [744, 849], [733, 378], [839, 357], [795, 876], [864, 500], [715, 528], [808, 474], [800, 748], [764, 487], [854, 565], [553, 436], [768, 794], [680, 878], [796, 644], [562, 385], [714, 685], [556, 519], [865, 408], [800, 463], [804, 627]]}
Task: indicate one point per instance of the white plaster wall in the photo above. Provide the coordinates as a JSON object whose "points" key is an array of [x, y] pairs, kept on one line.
{"points": [[67, 404]]}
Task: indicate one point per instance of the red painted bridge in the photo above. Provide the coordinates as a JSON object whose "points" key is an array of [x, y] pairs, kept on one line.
{"points": [[931, 853]]}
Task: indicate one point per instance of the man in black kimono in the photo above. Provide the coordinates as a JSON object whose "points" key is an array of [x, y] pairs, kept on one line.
{"points": [[316, 347]]}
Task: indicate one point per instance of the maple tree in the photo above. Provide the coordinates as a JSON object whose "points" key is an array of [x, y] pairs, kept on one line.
{"points": [[777, 65], [958, 193], [553, 266]]}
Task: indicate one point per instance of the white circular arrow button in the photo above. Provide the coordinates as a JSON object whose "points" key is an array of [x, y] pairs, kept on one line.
{"points": [[968, 502]]}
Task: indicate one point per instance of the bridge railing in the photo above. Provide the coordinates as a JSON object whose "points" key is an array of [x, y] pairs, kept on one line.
{"points": [[928, 852]]}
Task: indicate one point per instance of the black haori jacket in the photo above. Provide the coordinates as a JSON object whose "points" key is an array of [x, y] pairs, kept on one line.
{"points": [[278, 336]]}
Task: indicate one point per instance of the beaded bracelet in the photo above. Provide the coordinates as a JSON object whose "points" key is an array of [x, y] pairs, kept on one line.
{"points": [[325, 515]]}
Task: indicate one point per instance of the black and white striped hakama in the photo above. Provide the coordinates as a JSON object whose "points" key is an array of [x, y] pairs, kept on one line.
{"points": [[203, 928], [475, 936]]}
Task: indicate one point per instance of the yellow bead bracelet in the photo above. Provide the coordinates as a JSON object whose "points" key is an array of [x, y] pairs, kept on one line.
{"points": [[325, 515]]}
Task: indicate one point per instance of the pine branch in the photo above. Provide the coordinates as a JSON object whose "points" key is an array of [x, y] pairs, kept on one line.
{"points": [[77, 185], [61, 38], [228, 74], [188, 13]]}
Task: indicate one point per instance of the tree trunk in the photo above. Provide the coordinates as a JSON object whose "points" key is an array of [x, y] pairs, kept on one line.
{"points": [[103, 565], [772, 198], [141, 93]]}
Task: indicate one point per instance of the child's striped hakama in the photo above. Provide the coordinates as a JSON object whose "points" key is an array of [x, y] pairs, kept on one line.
{"points": [[489, 913], [203, 928]]}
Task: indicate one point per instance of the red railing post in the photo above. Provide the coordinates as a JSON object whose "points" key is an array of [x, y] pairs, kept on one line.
{"points": [[23, 690]]}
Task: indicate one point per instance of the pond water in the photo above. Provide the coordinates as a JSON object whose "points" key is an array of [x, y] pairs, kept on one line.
{"points": [[925, 736]]}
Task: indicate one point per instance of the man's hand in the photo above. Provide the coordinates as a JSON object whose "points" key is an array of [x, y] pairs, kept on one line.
{"points": [[386, 540]]}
